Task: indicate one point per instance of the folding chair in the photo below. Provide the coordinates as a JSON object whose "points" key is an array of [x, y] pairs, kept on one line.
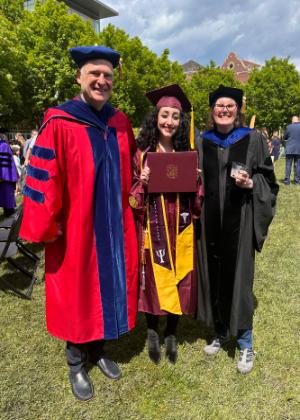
{"points": [[10, 245], [7, 223]]}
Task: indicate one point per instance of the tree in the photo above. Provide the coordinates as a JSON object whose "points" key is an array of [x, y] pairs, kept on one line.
{"points": [[202, 83], [49, 73], [142, 70], [46, 34], [12, 10], [11, 72], [44, 73], [273, 94]]}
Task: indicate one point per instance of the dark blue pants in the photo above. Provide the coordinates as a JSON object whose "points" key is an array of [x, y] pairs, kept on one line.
{"points": [[288, 168], [244, 337], [78, 355]]}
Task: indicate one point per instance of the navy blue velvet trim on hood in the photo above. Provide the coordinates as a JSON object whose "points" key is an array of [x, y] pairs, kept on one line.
{"points": [[226, 140], [84, 112]]}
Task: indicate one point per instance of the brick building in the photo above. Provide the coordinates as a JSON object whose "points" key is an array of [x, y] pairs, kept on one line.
{"points": [[241, 68]]}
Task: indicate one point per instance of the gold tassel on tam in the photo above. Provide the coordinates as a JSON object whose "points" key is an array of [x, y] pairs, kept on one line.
{"points": [[120, 68], [192, 130], [244, 109], [244, 106], [252, 121]]}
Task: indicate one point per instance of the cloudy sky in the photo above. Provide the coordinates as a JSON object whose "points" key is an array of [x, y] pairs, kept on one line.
{"points": [[205, 30]]}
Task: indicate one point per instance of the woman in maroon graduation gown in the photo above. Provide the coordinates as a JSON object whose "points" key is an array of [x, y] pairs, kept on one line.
{"points": [[167, 275]]}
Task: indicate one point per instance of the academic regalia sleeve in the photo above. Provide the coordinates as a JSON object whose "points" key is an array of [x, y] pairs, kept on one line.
{"points": [[198, 200], [265, 189], [137, 193], [8, 170], [131, 138], [44, 185]]}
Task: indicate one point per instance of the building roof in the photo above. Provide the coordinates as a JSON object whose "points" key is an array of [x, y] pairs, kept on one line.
{"points": [[242, 68], [191, 66], [250, 64], [94, 9]]}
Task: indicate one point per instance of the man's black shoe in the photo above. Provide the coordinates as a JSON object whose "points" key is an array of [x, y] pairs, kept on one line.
{"points": [[109, 368], [82, 386], [171, 348], [153, 345]]}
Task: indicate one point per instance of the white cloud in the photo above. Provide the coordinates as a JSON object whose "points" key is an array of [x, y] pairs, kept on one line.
{"points": [[238, 38], [297, 63], [208, 29]]}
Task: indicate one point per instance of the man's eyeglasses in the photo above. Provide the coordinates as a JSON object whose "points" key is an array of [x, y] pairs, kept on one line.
{"points": [[229, 107]]}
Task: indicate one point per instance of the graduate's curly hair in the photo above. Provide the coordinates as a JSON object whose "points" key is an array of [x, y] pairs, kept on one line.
{"points": [[149, 133]]}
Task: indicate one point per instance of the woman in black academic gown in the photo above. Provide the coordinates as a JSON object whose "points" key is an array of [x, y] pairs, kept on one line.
{"points": [[240, 194]]}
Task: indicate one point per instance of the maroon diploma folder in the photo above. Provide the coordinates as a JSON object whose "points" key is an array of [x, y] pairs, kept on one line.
{"points": [[172, 172]]}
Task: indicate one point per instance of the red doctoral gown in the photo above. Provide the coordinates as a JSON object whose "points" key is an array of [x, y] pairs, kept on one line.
{"points": [[79, 179]]}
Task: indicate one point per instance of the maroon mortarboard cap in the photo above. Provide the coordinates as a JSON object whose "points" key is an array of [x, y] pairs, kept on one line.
{"points": [[171, 96], [82, 55], [226, 92]]}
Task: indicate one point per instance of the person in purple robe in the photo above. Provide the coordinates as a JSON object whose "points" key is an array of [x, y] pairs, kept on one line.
{"points": [[167, 274], [8, 177]]}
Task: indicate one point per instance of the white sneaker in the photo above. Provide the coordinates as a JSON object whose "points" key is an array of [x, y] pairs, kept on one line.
{"points": [[245, 363], [213, 348]]}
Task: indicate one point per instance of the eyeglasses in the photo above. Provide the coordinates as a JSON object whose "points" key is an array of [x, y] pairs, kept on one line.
{"points": [[229, 107], [97, 74]]}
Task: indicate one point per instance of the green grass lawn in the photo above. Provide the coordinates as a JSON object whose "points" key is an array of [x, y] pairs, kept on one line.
{"points": [[33, 375]]}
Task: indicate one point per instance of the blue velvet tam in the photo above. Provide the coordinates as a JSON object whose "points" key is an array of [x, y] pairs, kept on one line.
{"points": [[81, 55]]}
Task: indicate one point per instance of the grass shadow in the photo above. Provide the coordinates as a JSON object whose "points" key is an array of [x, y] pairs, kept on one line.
{"points": [[129, 345], [132, 344], [17, 280], [230, 348]]}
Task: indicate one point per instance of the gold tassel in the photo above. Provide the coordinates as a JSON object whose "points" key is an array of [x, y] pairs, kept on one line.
{"points": [[252, 121], [120, 69], [244, 109], [192, 130], [244, 106]]}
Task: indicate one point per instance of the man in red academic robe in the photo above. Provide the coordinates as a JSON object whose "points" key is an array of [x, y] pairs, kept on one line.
{"points": [[76, 201]]}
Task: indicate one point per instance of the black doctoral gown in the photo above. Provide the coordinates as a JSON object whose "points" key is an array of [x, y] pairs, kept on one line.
{"points": [[234, 224]]}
